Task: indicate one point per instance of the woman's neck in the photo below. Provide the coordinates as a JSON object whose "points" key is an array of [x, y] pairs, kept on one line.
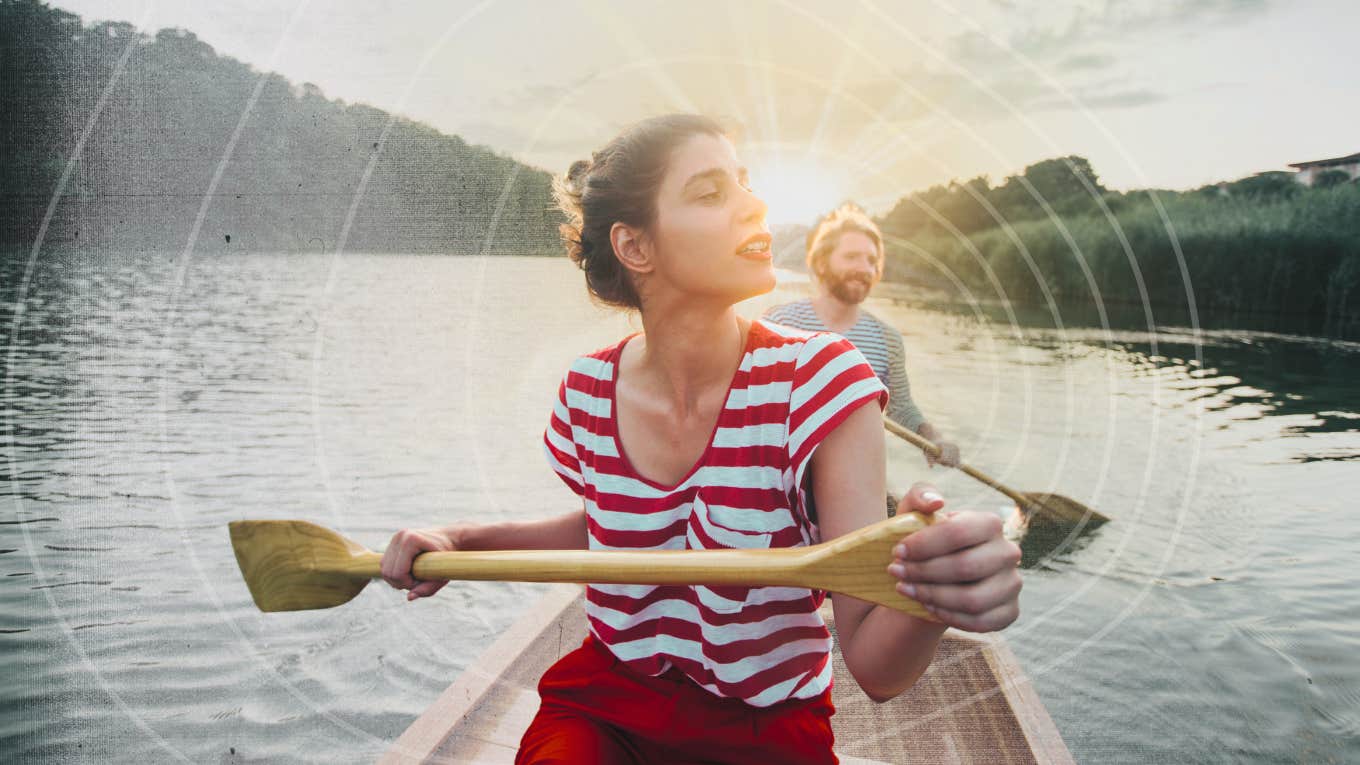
{"points": [[688, 351]]}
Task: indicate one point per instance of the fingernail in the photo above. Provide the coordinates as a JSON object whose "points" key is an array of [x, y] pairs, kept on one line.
{"points": [[897, 570], [907, 589], [900, 551], [931, 496]]}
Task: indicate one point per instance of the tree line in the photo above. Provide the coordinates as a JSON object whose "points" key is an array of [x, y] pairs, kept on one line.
{"points": [[1054, 235], [290, 184]]}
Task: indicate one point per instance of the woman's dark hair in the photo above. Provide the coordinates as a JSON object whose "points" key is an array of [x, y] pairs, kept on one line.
{"points": [[619, 185]]}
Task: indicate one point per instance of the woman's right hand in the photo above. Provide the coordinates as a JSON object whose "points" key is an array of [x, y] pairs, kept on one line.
{"points": [[402, 550]]}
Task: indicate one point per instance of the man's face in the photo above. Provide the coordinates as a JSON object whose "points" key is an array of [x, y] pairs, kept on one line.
{"points": [[852, 269]]}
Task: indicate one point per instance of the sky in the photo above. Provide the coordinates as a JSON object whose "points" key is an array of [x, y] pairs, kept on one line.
{"points": [[833, 100]]}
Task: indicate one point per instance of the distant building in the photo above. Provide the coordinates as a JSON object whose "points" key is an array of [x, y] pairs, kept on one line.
{"points": [[1307, 172]]}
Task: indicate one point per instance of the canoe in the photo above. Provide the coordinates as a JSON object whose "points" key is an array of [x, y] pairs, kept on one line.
{"points": [[973, 705]]}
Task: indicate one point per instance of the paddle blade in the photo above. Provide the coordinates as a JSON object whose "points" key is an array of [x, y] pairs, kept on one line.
{"points": [[296, 565], [857, 563], [1053, 523], [1055, 508]]}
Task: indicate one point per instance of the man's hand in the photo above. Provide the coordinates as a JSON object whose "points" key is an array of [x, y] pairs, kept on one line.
{"points": [[949, 455], [960, 568]]}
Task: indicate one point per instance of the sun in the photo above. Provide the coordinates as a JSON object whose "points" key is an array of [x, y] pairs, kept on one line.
{"points": [[796, 187]]}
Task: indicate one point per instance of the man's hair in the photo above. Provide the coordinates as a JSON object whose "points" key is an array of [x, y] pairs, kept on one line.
{"points": [[824, 237]]}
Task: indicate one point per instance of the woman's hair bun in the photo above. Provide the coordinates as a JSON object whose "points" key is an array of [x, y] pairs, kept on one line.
{"points": [[576, 176]]}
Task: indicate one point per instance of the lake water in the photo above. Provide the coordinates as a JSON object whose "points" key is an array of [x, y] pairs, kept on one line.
{"points": [[150, 399]]}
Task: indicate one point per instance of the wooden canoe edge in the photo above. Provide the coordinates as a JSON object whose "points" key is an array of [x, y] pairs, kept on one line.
{"points": [[1044, 739], [424, 737]]}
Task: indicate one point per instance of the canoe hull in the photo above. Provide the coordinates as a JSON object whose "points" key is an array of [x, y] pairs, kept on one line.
{"points": [[974, 704]]}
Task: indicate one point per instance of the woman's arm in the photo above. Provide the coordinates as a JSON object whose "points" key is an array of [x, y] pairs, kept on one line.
{"points": [[971, 568], [563, 532]]}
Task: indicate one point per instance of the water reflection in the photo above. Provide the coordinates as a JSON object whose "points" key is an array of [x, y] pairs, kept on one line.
{"points": [[1305, 384]]}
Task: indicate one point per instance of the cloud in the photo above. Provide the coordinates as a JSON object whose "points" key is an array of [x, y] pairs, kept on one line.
{"points": [[1090, 46], [1080, 62], [1102, 99], [539, 94]]}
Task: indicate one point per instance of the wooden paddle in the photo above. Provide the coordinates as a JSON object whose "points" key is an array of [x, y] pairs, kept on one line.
{"points": [[296, 565], [1041, 506]]}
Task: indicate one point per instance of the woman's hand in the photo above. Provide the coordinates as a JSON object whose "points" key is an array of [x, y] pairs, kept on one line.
{"points": [[402, 550], [960, 568]]}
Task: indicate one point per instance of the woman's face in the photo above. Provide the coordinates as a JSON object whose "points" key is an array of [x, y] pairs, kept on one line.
{"points": [[709, 238]]}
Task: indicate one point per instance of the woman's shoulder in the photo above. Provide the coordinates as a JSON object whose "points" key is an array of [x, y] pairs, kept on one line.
{"points": [[783, 334], [599, 363], [776, 333], [797, 345]]}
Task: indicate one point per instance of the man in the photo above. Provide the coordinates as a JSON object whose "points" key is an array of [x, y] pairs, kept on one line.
{"points": [[845, 257]]}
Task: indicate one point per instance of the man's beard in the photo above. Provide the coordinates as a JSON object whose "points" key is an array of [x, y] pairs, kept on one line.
{"points": [[847, 289]]}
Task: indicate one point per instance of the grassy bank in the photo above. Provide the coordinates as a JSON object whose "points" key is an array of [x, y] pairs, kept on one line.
{"points": [[1283, 250]]}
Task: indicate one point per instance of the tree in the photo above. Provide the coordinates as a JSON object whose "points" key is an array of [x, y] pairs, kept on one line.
{"points": [[1329, 178], [1267, 185]]}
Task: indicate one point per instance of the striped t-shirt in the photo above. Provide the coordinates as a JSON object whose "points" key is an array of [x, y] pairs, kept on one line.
{"points": [[880, 344], [759, 644]]}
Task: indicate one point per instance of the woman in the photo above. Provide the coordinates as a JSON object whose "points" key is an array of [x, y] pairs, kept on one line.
{"points": [[705, 431]]}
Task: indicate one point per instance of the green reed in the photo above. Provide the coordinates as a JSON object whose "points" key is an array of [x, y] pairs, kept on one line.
{"points": [[1290, 251]]}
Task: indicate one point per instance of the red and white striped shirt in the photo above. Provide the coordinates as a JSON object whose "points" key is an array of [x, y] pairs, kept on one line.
{"points": [[759, 644]]}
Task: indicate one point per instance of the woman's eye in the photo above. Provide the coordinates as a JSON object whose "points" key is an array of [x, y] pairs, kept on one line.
{"points": [[711, 195]]}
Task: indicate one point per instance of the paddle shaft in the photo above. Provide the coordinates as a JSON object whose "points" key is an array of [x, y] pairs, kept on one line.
{"points": [[763, 567], [926, 446], [294, 565]]}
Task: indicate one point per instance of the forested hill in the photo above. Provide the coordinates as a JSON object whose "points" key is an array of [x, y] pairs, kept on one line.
{"points": [[287, 185]]}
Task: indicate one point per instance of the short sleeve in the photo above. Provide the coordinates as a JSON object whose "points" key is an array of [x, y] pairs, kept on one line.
{"points": [[559, 446], [831, 379]]}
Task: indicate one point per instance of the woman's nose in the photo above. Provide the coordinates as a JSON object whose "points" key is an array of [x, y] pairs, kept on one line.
{"points": [[755, 207]]}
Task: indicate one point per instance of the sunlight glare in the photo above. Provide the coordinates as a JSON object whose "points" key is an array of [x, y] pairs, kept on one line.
{"points": [[796, 188]]}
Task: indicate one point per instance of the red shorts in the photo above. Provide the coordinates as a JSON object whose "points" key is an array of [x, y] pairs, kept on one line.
{"points": [[596, 710]]}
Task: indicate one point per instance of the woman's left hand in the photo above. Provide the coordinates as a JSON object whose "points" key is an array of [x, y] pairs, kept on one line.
{"points": [[960, 568]]}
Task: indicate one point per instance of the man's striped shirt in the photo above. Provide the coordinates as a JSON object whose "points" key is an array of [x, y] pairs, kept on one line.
{"points": [[880, 344], [759, 644]]}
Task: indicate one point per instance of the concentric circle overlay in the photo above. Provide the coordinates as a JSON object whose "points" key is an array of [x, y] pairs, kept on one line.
{"points": [[657, 68]]}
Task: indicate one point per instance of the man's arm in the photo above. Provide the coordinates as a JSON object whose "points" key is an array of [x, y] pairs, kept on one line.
{"points": [[902, 410]]}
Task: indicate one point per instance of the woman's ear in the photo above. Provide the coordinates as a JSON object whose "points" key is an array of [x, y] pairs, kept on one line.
{"points": [[631, 248]]}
